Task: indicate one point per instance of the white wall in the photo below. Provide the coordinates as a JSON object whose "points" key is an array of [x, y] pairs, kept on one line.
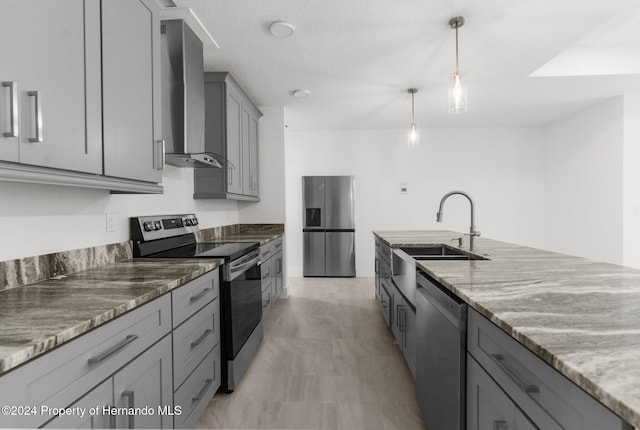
{"points": [[501, 168], [583, 183], [631, 181]]}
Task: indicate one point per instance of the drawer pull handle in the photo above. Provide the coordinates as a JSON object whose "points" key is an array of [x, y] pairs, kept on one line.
{"points": [[13, 109], [527, 388], [266, 303], [202, 337], [500, 425], [201, 393], [114, 349], [200, 295], [129, 395]]}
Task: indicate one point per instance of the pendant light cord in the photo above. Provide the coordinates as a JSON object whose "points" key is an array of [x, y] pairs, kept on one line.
{"points": [[457, 62]]}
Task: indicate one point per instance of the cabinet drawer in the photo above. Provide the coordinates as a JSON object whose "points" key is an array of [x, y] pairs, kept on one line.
{"points": [[265, 252], [275, 246], [60, 377], [267, 300], [545, 395], [194, 339], [196, 392], [191, 297], [266, 273]]}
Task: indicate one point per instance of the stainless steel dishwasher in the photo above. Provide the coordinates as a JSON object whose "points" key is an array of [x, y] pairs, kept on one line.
{"points": [[441, 357]]}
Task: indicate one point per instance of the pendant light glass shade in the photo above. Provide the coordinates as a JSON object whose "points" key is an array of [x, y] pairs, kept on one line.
{"points": [[458, 93], [413, 138], [458, 84]]}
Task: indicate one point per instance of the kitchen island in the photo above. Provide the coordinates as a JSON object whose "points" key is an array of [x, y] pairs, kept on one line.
{"points": [[581, 317]]}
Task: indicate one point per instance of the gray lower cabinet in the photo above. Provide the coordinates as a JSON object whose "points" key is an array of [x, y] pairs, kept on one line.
{"points": [[488, 407], [196, 347], [145, 385], [383, 281], [135, 361], [271, 271], [403, 326], [231, 131], [500, 368], [68, 373]]}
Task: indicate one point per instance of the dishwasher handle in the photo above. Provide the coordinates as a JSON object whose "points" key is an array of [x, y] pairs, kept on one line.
{"points": [[449, 305]]}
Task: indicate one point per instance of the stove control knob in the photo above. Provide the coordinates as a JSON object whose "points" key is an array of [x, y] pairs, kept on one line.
{"points": [[188, 222], [194, 221], [147, 225], [157, 225]]}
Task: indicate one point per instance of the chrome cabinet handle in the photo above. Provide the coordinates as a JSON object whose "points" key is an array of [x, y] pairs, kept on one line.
{"points": [[112, 421], [527, 388], [114, 349], [201, 339], [159, 155], [13, 109], [129, 394], [204, 389], [230, 175], [38, 112], [200, 295], [500, 425]]}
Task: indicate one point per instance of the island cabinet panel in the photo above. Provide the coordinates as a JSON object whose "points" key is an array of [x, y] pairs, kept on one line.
{"points": [[92, 416], [62, 376], [546, 397]]}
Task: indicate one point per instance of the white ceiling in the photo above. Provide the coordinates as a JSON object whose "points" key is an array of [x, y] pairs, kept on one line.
{"points": [[359, 57]]}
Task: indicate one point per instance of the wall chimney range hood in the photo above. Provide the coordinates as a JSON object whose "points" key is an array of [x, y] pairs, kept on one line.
{"points": [[183, 95]]}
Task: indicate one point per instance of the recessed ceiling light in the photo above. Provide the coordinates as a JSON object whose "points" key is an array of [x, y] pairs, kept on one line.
{"points": [[300, 94], [282, 29]]}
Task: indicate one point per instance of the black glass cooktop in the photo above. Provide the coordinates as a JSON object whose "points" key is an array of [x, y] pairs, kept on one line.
{"points": [[227, 250]]}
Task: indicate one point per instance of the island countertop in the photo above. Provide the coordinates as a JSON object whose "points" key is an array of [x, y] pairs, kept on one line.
{"points": [[581, 317]]}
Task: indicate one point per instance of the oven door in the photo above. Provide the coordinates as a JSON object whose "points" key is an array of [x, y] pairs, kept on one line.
{"points": [[242, 303]]}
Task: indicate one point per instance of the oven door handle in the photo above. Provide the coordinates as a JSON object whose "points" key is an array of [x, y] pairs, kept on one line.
{"points": [[236, 270]]}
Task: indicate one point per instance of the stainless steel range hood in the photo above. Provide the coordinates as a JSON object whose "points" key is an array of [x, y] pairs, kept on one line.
{"points": [[183, 98]]}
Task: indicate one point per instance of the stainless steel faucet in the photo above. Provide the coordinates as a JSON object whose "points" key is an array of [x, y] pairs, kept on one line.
{"points": [[473, 233]]}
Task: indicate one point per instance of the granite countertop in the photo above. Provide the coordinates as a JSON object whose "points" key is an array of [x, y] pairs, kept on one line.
{"points": [[39, 317], [262, 233], [581, 317]]}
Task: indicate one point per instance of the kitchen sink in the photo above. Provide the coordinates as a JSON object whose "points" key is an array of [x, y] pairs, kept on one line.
{"points": [[439, 252]]}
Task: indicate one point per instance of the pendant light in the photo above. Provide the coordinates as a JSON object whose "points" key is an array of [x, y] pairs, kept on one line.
{"points": [[414, 137], [458, 85]]}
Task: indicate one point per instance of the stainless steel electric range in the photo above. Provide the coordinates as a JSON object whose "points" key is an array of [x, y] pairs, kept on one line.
{"points": [[173, 236]]}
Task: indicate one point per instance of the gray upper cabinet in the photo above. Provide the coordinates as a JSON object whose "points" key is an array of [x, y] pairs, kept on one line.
{"points": [[131, 90], [50, 99], [231, 131]]}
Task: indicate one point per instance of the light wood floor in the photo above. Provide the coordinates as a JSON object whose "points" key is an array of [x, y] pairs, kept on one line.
{"points": [[328, 361]]}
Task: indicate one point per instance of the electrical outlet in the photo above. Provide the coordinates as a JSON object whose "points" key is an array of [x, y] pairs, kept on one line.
{"points": [[403, 188], [110, 223]]}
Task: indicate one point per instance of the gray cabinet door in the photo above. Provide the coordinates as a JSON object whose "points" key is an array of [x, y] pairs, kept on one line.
{"points": [[250, 118], [56, 50], [409, 335], [146, 382], [95, 400], [488, 407], [131, 96], [234, 138]]}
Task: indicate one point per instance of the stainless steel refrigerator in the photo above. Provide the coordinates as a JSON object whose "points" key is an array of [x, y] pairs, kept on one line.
{"points": [[328, 226]]}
